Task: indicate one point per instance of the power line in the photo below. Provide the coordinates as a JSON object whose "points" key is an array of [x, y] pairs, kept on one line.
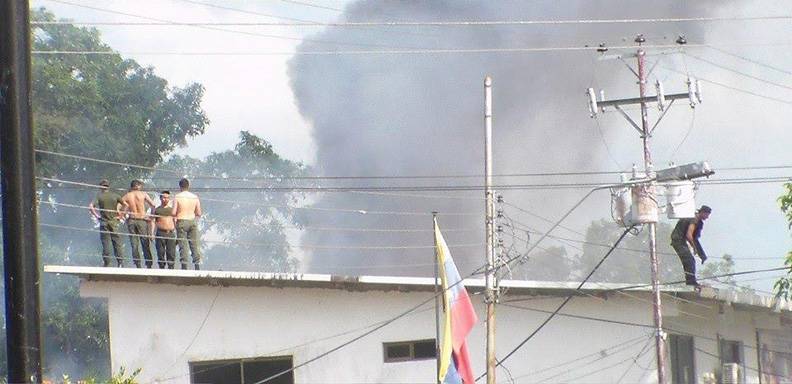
{"points": [[384, 324], [741, 73], [425, 188], [312, 5], [602, 356], [296, 227], [731, 87], [266, 245], [207, 26], [210, 5], [361, 52], [563, 303], [365, 177], [449, 23], [255, 203], [575, 360], [752, 61]]}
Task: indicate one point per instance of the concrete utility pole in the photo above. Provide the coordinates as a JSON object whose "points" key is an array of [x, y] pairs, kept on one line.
{"points": [[20, 242], [491, 292], [646, 210]]}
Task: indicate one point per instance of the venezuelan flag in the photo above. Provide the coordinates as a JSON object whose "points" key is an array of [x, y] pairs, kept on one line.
{"points": [[458, 321]]}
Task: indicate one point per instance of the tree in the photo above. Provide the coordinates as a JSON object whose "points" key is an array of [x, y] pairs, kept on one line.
{"points": [[248, 215], [104, 106], [549, 264], [783, 286], [101, 106], [630, 262]]}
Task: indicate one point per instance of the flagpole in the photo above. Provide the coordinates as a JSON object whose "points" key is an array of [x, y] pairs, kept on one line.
{"points": [[437, 300]]}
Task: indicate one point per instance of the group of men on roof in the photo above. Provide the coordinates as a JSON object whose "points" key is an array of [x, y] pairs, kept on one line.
{"points": [[172, 222]]}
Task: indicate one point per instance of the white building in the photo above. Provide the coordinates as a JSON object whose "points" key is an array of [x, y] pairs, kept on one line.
{"points": [[238, 327]]}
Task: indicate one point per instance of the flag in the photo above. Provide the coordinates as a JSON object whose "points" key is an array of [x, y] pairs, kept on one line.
{"points": [[458, 321]]}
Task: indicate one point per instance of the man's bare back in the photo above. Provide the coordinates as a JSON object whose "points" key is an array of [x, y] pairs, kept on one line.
{"points": [[137, 201], [188, 206]]}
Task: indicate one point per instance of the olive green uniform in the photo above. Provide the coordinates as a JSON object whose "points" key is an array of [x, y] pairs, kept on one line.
{"points": [[189, 237], [109, 226], [165, 241]]}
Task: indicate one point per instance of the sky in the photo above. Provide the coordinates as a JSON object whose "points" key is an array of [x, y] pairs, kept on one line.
{"points": [[383, 115]]}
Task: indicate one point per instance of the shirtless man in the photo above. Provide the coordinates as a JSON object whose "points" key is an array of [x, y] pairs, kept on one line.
{"points": [[187, 209], [138, 222], [165, 240]]}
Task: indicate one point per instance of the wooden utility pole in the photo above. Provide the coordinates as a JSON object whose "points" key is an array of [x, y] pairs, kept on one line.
{"points": [[647, 210]]}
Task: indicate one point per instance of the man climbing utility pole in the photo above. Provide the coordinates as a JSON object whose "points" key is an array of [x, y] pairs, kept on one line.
{"points": [[644, 199]]}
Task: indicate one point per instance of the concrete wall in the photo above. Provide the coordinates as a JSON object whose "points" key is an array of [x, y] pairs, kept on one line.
{"points": [[162, 327]]}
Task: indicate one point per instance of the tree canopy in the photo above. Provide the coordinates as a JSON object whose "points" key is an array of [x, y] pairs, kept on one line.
{"points": [[112, 108], [783, 286], [104, 106]]}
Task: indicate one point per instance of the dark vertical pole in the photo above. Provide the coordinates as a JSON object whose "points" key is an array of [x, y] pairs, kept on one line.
{"points": [[20, 242]]}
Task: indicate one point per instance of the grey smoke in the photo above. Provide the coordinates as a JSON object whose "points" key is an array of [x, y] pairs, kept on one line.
{"points": [[422, 114]]}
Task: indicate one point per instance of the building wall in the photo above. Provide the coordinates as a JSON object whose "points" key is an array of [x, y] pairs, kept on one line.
{"points": [[161, 328]]}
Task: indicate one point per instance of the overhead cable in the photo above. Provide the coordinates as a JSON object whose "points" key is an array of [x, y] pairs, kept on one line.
{"points": [[563, 303], [365, 177], [223, 7], [736, 71], [266, 205], [267, 245], [312, 5], [752, 61], [213, 27], [384, 324], [440, 23], [731, 87]]}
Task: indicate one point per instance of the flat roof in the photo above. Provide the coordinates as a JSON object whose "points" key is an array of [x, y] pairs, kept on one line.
{"points": [[396, 283]]}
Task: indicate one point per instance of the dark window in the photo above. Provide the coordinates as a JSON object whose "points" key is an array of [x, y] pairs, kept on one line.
{"points": [[409, 350], [681, 350], [731, 352], [241, 371]]}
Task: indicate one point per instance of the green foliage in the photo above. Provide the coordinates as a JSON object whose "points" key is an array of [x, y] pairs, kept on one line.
{"points": [[104, 106], [549, 264], [630, 263], [101, 106], [122, 378], [253, 220], [783, 287]]}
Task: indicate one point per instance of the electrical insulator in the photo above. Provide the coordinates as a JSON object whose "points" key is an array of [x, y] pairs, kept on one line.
{"points": [[691, 92], [500, 213], [698, 91], [499, 199], [592, 102], [500, 243], [499, 229], [661, 101]]}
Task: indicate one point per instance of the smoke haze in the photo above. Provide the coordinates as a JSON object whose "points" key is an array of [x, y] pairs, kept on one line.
{"points": [[421, 114]]}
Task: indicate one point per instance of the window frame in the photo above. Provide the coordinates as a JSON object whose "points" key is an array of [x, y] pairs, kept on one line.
{"points": [[411, 344], [673, 344], [240, 362], [741, 350]]}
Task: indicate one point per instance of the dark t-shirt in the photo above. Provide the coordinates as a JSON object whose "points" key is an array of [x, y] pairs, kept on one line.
{"points": [[107, 202], [163, 211], [679, 235]]}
